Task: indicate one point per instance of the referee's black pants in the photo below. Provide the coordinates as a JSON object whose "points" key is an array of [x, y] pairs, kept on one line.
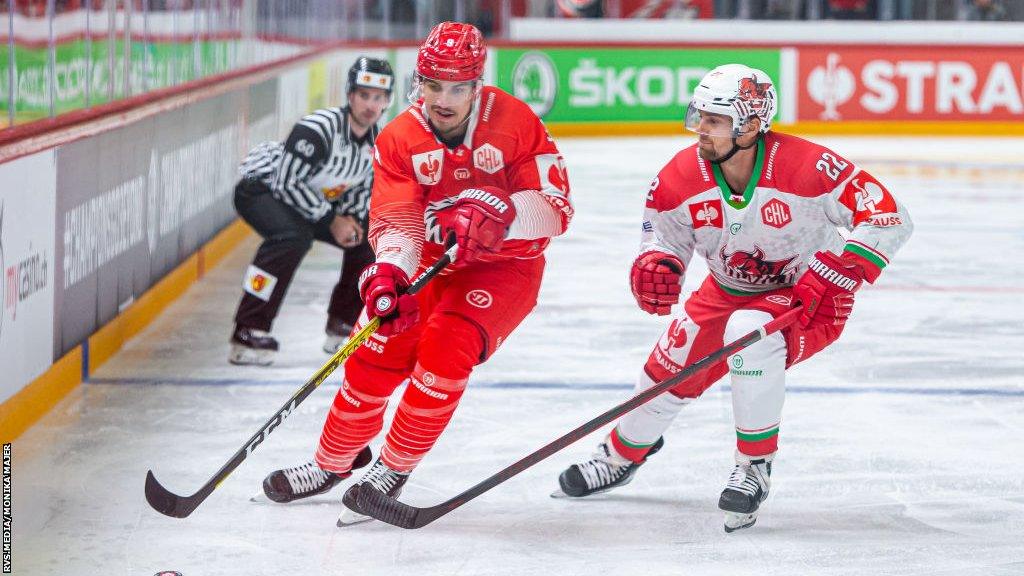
{"points": [[287, 237]]}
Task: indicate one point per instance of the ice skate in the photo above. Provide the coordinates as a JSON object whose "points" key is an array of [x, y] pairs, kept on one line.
{"points": [[747, 488], [252, 347], [337, 334], [290, 484], [605, 470], [382, 478]]}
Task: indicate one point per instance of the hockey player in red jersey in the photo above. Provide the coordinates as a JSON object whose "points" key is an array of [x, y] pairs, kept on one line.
{"points": [[465, 162], [763, 209]]}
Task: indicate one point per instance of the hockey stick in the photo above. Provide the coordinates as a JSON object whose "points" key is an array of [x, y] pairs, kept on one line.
{"points": [[382, 507], [166, 502]]}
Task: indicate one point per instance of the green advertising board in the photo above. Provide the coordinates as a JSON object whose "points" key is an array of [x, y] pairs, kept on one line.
{"points": [[617, 84], [83, 75]]}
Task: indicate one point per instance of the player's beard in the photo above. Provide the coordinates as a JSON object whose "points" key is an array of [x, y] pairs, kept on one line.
{"points": [[707, 151]]}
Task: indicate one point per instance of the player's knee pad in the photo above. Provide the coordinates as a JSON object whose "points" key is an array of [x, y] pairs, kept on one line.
{"points": [[451, 346], [769, 350]]}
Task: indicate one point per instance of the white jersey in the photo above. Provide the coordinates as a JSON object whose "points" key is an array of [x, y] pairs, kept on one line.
{"points": [[761, 238]]}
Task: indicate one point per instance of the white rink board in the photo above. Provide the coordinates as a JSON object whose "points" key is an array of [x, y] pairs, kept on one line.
{"points": [[28, 188], [899, 447]]}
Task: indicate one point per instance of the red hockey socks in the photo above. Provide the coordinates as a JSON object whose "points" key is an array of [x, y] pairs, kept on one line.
{"points": [[424, 412], [355, 418]]}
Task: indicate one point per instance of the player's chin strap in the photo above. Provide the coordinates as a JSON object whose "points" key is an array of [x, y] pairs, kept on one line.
{"points": [[736, 148]]}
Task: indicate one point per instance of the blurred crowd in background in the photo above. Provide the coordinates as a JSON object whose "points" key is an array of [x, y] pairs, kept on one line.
{"points": [[64, 55]]}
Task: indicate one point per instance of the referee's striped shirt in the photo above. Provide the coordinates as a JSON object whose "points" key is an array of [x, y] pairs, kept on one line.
{"points": [[320, 169]]}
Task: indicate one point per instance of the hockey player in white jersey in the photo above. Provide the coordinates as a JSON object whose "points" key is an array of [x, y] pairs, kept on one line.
{"points": [[764, 210]]}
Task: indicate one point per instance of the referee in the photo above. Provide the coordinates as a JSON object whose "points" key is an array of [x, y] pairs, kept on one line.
{"points": [[314, 186]]}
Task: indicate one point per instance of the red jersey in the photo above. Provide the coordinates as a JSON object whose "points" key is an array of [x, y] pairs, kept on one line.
{"points": [[416, 176]]}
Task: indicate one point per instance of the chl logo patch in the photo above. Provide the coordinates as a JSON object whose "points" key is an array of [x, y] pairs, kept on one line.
{"points": [[775, 213], [707, 213], [259, 283], [428, 166], [488, 158], [479, 298]]}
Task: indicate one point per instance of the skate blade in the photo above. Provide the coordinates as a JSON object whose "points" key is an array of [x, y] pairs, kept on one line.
{"points": [[260, 497], [560, 495], [350, 518], [242, 356], [735, 521]]}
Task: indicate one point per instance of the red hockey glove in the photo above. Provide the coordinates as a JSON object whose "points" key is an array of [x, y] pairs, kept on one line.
{"points": [[479, 220], [379, 287], [656, 280], [826, 290]]}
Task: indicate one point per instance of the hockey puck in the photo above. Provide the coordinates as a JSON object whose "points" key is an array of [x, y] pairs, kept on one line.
{"points": [[168, 573]]}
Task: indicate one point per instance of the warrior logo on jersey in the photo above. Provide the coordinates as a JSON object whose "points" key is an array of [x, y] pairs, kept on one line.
{"points": [[753, 268], [488, 158], [428, 166], [775, 213], [706, 213], [479, 298]]}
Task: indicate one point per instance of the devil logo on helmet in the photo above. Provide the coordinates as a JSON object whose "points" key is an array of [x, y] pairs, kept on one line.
{"points": [[752, 92]]}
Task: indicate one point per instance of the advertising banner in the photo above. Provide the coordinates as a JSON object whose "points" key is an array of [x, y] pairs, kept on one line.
{"points": [[82, 72], [911, 83], [27, 262], [618, 84], [135, 202]]}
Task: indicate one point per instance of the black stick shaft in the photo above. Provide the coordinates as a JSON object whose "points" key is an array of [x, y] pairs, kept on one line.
{"points": [[166, 502], [412, 517]]}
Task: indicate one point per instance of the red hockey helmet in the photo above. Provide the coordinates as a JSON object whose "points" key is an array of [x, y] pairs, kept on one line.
{"points": [[452, 51]]}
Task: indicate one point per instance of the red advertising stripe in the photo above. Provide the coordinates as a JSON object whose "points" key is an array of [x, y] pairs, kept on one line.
{"points": [[911, 83]]}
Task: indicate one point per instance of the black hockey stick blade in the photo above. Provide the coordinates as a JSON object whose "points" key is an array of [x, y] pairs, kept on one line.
{"points": [[166, 502], [386, 509]]}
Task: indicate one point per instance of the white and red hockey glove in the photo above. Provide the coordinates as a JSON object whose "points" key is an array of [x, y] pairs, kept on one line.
{"points": [[656, 280], [826, 290], [380, 286], [479, 220]]}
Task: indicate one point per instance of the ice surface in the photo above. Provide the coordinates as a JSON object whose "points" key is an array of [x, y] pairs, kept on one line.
{"points": [[900, 448]]}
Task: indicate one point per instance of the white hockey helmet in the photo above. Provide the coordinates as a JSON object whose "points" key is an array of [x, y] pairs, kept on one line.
{"points": [[734, 90]]}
